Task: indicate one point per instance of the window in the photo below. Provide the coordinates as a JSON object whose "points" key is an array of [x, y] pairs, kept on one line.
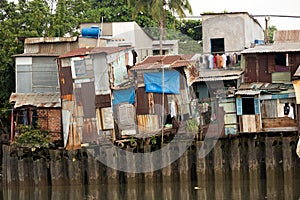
{"points": [[78, 66], [157, 52], [248, 106], [217, 45], [280, 59]]}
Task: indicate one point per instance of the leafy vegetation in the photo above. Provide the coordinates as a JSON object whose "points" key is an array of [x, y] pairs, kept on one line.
{"points": [[32, 138], [192, 125]]}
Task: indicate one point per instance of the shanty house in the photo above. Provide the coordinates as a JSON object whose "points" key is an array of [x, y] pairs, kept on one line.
{"points": [[215, 93], [41, 110], [163, 90], [93, 81], [36, 99], [266, 102]]}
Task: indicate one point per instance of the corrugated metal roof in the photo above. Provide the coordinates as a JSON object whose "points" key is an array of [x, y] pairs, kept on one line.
{"points": [[166, 61], [93, 50], [256, 88], [279, 47], [49, 40], [218, 75], [35, 55], [247, 92], [41, 100], [284, 36]]}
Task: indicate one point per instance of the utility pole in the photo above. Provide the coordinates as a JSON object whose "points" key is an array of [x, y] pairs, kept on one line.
{"points": [[267, 18]]}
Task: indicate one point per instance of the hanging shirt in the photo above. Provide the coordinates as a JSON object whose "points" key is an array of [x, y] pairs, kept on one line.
{"points": [[173, 109], [291, 113], [224, 58], [219, 58], [211, 61]]}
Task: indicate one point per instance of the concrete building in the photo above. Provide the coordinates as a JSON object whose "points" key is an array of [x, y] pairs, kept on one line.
{"points": [[229, 32], [131, 34]]}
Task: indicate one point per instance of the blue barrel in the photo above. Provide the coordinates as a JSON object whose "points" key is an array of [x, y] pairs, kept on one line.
{"points": [[91, 32]]}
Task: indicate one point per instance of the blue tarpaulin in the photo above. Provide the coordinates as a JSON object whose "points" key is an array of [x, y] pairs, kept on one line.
{"points": [[123, 96], [153, 82]]}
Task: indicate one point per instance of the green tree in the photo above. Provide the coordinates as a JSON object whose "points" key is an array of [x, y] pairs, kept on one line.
{"points": [[191, 28], [271, 31], [158, 9]]}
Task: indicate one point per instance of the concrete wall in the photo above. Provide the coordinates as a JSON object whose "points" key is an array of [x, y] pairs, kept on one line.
{"points": [[238, 31]]}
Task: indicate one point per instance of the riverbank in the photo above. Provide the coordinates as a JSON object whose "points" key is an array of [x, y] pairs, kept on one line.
{"points": [[258, 154]]}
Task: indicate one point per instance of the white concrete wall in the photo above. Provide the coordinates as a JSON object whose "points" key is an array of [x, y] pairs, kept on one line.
{"points": [[238, 31]]}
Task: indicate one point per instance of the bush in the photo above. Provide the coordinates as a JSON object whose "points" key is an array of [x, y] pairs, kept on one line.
{"points": [[32, 138]]}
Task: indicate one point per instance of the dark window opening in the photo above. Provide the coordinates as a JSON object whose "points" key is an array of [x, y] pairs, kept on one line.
{"points": [[157, 52], [248, 106], [280, 59], [217, 45]]}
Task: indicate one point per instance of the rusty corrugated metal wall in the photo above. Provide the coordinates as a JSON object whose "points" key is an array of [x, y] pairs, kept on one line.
{"points": [[142, 107], [250, 71], [103, 101], [66, 82]]}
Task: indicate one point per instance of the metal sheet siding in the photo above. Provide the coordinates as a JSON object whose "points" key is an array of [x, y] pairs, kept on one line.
{"points": [[264, 75], [66, 81], [44, 75], [89, 130], [148, 123], [23, 78], [142, 101], [269, 108], [250, 72], [102, 101], [88, 99], [101, 71], [158, 101]]}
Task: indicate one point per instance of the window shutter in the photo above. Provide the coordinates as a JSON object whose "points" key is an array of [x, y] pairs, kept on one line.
{"points": [[239, 107], [257, 105]]}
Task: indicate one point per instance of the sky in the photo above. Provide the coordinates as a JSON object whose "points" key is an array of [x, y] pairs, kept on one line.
{"points": [[255, 7]]}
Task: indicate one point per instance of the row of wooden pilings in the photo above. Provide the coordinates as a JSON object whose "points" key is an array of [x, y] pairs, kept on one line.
{"points": [[229, 157]]}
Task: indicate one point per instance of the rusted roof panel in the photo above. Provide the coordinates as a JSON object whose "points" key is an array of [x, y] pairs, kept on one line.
{"points": [[284, 36], [181, 63], [41, 100], [50, 40], [166, 61], [191, 74], [36, 55], [218, 75], [273, 48], [93, 50]]}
